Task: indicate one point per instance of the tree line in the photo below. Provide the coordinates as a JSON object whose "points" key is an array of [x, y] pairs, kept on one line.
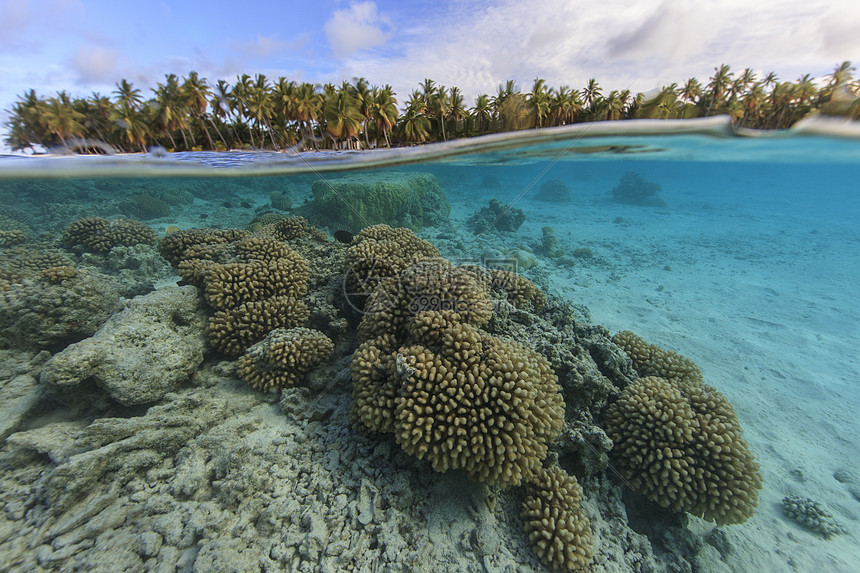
{"points": [[189, 113]]}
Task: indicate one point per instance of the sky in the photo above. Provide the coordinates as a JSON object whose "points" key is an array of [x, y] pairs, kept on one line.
{"points": [[86, 46]]}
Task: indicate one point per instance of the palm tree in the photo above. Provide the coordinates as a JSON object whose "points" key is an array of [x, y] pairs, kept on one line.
{"points": [[128, 95], [457, 111], [691, 92], [61, 118], [343, 115], [591, 93], [167, 109], [260, 106], [361, 92], [385, 111], [439, 105], [718, 86], [239, 95], [98, 115], [197, 92], [25, 122], [308, 102], [482, 112], [538, 102], [414, 124], [132, 124]]}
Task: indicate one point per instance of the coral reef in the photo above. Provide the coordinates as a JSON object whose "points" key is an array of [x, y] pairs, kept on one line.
{"points": [[553, 191], [24, 261], [144, 207], [60, 273], [651, 360], [289, 228], [470, 402], [450, 393], [254, 282], [233, 330], [496, 216], [678, 442], [174, 246], [142, 352], [811, 515], [634, 190], [97, 235], [554, 521], [380, 252], [518, 290], [435, 285], [412, 200], [12, 237], [280, 200], [283, 358]]}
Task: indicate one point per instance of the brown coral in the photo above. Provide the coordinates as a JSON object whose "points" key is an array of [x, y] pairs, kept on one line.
{"points": [[289, 228], [97, 235], [174, 247], [651, 360], [283, 358], [432, 285], [379, 252], [12, 237], [679, 443], [555, 523], [520, 291], [59, 274], [474, 402], [228, 285], [233, 330]]}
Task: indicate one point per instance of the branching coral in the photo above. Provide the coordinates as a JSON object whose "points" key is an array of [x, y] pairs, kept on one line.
{"points": [[555, 523], [282, 358], [431, 285], [679, 443], [379, 252], [175, 246], [651, 360], [97, 235], [233, 330], [467, 401]]}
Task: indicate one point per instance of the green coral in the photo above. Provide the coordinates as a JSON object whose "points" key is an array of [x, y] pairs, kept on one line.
{"points": [[410, 200]]}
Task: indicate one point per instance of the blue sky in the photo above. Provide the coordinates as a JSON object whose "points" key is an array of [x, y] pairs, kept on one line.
{"points": [[84, 46]]}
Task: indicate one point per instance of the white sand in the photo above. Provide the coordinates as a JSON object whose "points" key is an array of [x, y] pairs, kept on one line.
{"points": [[764, 301]]}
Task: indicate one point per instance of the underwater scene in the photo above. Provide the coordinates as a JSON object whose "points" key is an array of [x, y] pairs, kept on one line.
{"points": [[597, 348]]}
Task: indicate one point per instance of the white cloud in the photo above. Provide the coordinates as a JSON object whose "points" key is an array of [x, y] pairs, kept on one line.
{"points": [[624, 44], [94, 64], [357, 28]]}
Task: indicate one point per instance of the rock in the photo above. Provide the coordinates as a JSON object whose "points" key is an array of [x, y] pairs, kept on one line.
{"points": [[367, 502], [146, 350], [18, 398]]}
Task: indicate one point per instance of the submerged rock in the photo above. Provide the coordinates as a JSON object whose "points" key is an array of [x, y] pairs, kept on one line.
{"points": [[141, 353]]}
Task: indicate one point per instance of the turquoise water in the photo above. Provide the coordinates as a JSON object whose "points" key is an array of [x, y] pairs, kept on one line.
{"points": [[748, 264]]}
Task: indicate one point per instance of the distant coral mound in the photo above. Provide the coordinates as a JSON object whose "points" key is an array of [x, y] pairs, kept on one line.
{"points": [[497, 216], [412, 200], [554, 191], [634, 190]]}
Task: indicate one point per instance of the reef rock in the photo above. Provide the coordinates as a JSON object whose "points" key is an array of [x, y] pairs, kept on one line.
{"points": [[146, 350]]}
